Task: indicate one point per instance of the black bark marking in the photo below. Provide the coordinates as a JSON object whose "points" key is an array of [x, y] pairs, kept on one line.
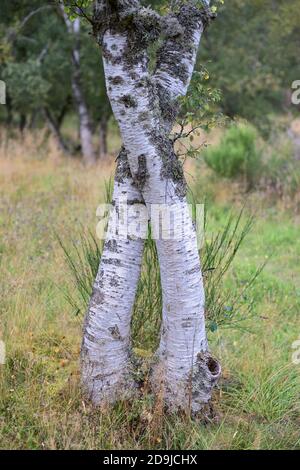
{"points": [[194, 270], [172, 167], [123, 169], [113, 261], [115, 332], [169, 108], [129, 101], [115, 60], [111, 245], [142, 174], [116, 80], [133, 202], [114, 282], [97, 296], [144, 116]]}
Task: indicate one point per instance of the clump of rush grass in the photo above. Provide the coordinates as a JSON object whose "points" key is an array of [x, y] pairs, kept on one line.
{"points": [[224, 308], [227, 308], [271, 396]]}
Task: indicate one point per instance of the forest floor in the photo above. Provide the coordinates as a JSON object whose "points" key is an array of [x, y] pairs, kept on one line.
{"points": [[257, 404]]}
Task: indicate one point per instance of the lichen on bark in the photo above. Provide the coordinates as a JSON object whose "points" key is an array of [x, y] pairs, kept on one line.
{"points": [[141, 175], [123, 170], [171, 168]]}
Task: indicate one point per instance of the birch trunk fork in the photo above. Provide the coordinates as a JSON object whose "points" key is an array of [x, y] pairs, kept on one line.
{"points": [[145, 108]]}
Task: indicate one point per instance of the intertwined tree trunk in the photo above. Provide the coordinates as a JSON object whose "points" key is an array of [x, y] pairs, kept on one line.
{"points": [[145, 106]]}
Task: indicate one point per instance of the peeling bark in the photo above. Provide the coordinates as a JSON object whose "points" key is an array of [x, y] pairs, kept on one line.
{"points": [[145, 107]]}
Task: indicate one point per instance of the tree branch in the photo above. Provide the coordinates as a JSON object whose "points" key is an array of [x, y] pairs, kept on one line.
{"points": [[13, 34], [177, 55]]}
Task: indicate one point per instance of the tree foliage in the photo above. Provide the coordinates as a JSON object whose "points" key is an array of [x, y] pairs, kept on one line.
{"points": [[237, 154], [35, 62], [254, 56]]}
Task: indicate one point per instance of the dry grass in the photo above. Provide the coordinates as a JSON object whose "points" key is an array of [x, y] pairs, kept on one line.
{"points": [[257, 404]]}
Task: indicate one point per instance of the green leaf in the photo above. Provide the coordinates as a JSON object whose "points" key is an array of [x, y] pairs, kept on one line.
{"points": [[213, 327]]}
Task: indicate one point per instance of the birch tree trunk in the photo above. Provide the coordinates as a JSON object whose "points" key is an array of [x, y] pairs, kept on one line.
{"points": [[145, 106], [85, 132], [105, 351]]}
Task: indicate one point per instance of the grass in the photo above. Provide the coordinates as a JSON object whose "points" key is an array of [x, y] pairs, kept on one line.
{"points": [[224, 307], [257, 403]]}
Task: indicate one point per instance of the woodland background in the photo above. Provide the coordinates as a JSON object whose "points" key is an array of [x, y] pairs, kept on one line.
{"points": [[242, 161]]}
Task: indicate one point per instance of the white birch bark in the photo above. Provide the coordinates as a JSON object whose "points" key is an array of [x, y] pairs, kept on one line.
{"points": [[105, 352], [144, 108]]}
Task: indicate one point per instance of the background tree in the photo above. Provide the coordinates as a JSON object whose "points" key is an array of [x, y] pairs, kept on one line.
{"points": [[35, 61], [94, 90], [85, 130]]}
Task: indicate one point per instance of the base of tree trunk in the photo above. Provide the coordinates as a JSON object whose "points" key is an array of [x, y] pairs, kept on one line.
{"points": [[189, 392], [103, 391]]}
